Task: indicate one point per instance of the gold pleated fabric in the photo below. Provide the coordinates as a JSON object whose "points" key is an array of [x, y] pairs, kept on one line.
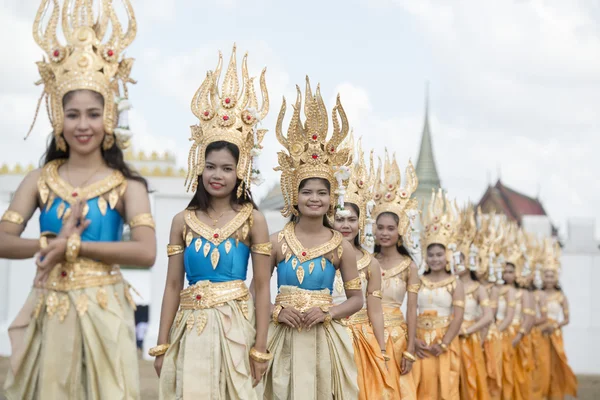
{"points": [[492, 348], [315, 364], [541, 358], [508, 354], [396, 344], [210, 361], [523, 369], [473, 374], [562, 379], [77, 345]]}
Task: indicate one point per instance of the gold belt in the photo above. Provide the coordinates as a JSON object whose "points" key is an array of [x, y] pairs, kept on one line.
{"points": [[81, 274], [390, 320], [303, 300], [206, 294], [360, 317], [430, 322]]}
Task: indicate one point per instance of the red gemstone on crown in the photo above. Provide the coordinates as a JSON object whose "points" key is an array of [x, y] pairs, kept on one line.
{"points": [[314, 156], [303, 254], [225, 118], [249, 117], [198, 297], [390, 186], [110, 53], [56, 53], [206, 113], [332, 149], [74, 194], [361, 183], [314, 137], [227, 100], [63, 273], [216, 235]]}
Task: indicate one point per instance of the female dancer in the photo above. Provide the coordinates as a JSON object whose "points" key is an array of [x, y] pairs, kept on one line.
{"points": [[366, 326], [205, 350], [477, 315], [395, 212], [75, 336], [562, 380], [314, 352], [441, 304]]}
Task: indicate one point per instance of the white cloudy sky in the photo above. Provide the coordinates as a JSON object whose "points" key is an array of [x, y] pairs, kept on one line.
{"points": [[514, 84]]}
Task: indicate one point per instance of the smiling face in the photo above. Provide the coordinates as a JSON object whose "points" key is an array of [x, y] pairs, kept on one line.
{"points": [[313, 198], [83, 127], [550, 279], [219, 175], [509, 274], [436, 257], [347, 225], [386, 231]]}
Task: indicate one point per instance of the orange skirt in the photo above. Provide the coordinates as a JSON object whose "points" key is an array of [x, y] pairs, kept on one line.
{"points": [[541, 358], [473, 374], [395, 344], [508, 353], [523, 369], [562, 378], [492, 347]]}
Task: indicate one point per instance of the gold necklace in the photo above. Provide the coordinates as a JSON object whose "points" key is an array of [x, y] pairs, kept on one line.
{"points": [[215, 221], [77, 189]]}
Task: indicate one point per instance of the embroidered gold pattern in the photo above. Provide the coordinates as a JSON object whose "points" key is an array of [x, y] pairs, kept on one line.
{"points": [[205, 294], [262, 248], [12, 216], [201, 319], [102, 205], [63, 307], [364, 261], [414, 288], [389, 273], [188, 238], [338, 283], [38, 307], [451, 281], [300, 274], [174, 249], [190, 322], [51, 304], [323, 263], [118, 299], [102, 298], [458, 303], [178, 318], [214, 257], [353, 284], [227, 246], [340, 251], [309, 254], [311, 267], [81, 305], [218, 235], [144, 219], [127, 294], [284, 249]]}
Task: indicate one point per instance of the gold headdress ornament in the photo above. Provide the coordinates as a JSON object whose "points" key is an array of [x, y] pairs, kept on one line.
{"points": [[89, 60], [231, 116], [391, 196], [464, 236], [440, 221], [486, 239], [551, 256], [309, 153]]}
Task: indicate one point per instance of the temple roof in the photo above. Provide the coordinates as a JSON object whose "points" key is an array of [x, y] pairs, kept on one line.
{"points": [[511, 203]]}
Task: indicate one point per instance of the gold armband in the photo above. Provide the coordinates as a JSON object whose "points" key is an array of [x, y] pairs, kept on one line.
{"points": [[158, 350], [353, 284], [262, 248], [376, 293], [276, 312], [529, 311], [414, 288], [410, 357], [73, 247], [566, 313], [511, 304], [493, 304], [142, 220], [544, 309], [174, 249], [260, 357], [458, 303], [12, 216], [485, 303]]}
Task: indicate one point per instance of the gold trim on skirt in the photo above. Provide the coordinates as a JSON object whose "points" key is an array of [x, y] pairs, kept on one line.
{"points": [[81, 274]]}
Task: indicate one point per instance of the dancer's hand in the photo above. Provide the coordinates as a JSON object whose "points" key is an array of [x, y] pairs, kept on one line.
{"points": [[436, 350], [158, 362], [313, 316], [421, 348], [405, 366], [291, 317], [258, 371]]}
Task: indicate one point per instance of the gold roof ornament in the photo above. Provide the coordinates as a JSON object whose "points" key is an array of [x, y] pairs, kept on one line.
{"points": [[230, 114], [89, 60], [308, 151]]}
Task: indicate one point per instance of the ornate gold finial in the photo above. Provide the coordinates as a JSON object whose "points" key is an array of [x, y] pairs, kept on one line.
{"points": [[309, 153], [551, 255], [89, 60], [232, 116], [464, 236], [440, 221]]}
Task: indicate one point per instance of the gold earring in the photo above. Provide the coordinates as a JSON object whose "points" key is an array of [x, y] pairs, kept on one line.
{"points": [[448, 267], [61, 144], [108, 141]]}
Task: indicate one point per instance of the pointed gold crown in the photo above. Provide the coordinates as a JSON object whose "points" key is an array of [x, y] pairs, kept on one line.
{"points": [[391, 196], [465, 231], [89, 60], [551, 256], [486, 238], [309, 153], [440, 221], [231, 116]]}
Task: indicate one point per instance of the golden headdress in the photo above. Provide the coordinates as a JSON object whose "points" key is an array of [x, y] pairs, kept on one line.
{"points": [[440, 221], [89, 60], [309, 153], [551, 256], [231, 116], [464, 235], [486, 239], [391, 196]]}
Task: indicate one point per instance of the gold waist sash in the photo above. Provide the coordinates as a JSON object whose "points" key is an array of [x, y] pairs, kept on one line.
{"points": [[81, 274], [390, 320], [430, 322], [301, 299], [206, 294], [361, 317]]}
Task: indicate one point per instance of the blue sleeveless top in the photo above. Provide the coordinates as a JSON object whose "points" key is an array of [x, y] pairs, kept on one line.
{"points": [[58, 196], [217, 255], [308, 269]]}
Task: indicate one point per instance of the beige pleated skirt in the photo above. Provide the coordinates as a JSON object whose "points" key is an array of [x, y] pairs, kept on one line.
{"points": [[79, 345], [209, 354]]}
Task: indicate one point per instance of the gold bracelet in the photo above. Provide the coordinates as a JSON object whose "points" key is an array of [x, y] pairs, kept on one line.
{"points": [[485, 303], [529, 311], [158, 350], [458, 303], [522, 331], [376, 293], [73, 247], [353, 284], [409, 357], [414, 288], [43, 242], [493, 304], [12, 216], [262, 248], [443, 346], [260, 357], [327, 320], [142, 220], [276, 312], [511, 304], [385, 356], [174, 249]]}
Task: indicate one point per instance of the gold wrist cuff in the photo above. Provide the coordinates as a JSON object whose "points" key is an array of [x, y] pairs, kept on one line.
{"points": [[485, 303], [522, 331], [458, 303], [414, 288], [12, 216], [529, 311], [158, 350], [409, 357], [174, 249], [262, 248], [493, 304], [443, 346], [260, 357], [512, 304], [376, 293], [353, 284], [142, 220], [73, 247], [385, 356], [43, 242], [276, 312]]}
